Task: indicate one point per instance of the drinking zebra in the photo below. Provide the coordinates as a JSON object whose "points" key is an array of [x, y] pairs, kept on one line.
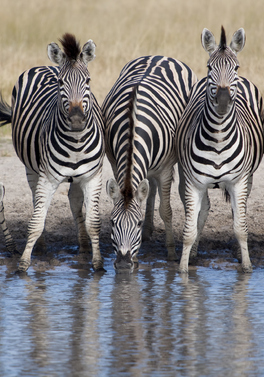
{"points": [[57, 130], [10, 244], [142, 111], [219, 143]]}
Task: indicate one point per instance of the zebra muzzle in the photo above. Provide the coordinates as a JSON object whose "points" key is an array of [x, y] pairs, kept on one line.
{"points": [[76, 118], [124, 263], [223, 100]]}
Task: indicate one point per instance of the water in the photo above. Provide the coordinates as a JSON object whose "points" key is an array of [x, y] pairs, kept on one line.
{"points": [[155, 322]]}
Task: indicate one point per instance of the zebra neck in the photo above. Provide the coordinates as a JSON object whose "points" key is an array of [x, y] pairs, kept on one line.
{"points": [[62, 128], [215, 123]]}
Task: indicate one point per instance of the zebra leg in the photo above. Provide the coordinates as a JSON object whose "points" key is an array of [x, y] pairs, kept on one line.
{"points": [[203, 214], [238, 196], [148, 223], [43, 196], [164, 187], [32, 179], [76, 203], [91, 190], [193, 202], [10, 244]]}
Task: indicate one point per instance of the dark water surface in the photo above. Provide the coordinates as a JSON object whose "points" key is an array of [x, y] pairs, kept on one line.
{"points": [[155, 322]]}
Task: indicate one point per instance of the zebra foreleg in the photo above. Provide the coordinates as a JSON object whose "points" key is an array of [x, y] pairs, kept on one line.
{"points": [[32, 178], [238, 196], [76, 203], [164, 186], [193, 201], [203, 214], [148, 223], [91, 191], [43, 196]]}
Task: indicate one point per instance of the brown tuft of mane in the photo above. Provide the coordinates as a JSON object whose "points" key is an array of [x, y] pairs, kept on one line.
{"points": [[222, 43], [127, 190], [70, 46]]}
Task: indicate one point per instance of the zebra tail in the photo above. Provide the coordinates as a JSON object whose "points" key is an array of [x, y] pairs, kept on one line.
{"points": [[5, 112], [227, 196], [127, 191]]}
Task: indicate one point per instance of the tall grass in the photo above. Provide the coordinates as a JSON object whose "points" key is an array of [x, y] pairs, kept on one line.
{"points": [[123, 30]]}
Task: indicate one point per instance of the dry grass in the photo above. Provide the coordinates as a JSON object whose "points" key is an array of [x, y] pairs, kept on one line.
{"points": [[123, 30]]}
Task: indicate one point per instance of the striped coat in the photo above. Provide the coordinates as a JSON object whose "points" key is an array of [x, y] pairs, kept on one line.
{"points": [[57, 130], [219, 143], [142, 111]]}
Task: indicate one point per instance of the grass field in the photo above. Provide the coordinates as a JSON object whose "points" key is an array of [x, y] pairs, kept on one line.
{"points": [[123, 30]]}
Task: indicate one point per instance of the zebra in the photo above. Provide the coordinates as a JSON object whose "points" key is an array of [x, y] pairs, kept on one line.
{"points": [[219, 143], [141, 114], [10, 244], [57, 132]]}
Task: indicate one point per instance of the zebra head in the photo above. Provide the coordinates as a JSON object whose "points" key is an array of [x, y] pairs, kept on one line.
{"points": [[127, 220], [74, 94], [222, 69]]}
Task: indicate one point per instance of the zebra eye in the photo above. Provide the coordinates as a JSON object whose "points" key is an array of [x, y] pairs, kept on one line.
{"points": [[88, 80], [60, 82], [236, 68], [112, 223], [140, 223], [209, 67]]}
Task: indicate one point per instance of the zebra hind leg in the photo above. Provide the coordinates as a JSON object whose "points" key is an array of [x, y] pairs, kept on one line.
{"points": [[91, 191], [238, 195], [10, 244], [75, 195], [164, 186], [148, 223]]}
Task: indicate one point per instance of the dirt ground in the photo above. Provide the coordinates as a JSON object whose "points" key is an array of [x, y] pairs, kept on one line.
{"points": [[217, 248]]}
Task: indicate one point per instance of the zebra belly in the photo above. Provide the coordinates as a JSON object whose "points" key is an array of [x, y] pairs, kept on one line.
{"points": [[217, 181]]}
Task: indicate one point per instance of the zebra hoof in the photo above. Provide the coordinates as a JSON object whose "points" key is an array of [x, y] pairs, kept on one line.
{"points": [[247, 268], [23, 266], [193, 255], [183, 270], [98, 266]]}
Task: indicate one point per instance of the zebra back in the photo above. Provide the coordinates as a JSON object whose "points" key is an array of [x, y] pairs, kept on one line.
{"points": [[162, 89]]}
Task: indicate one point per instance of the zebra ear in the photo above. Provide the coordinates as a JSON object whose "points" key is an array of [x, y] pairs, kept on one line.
{"points": [[88, 52], [55, 54], [238, 40], [113, 190], [208, 41], [142, 191]]}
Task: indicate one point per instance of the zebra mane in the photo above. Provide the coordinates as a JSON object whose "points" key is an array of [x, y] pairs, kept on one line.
{"points": [[127, 190], [70, 46], [222, 44]]}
